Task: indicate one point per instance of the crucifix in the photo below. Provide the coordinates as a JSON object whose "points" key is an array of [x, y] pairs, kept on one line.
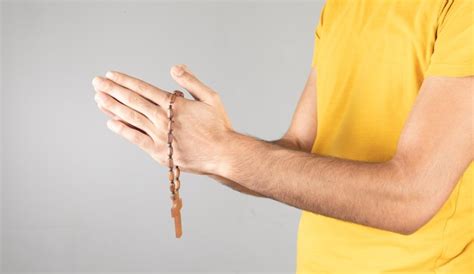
{"points": [[176, 214]]}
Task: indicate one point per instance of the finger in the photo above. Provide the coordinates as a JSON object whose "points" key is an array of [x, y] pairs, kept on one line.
{"points": [[134, 136], [130, 98], [191, 83], [115, 117], [125, 113], [154, 94], [108, 113]]}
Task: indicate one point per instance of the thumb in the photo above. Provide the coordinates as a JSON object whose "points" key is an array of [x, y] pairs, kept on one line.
{"points": [[196, 88]]}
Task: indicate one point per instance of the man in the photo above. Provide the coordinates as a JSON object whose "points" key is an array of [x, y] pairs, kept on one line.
{"points": [[379, 152]]}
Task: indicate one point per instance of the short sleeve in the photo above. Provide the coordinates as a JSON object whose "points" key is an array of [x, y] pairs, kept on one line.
{"points": [[317, 38], [453, 53]]}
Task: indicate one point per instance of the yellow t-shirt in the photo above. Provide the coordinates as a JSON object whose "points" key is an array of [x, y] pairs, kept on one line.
{"points": [[371, 57]]}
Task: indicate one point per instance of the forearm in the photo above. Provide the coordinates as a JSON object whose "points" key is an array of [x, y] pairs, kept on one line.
{"points": [[372, 194], [233, 185], [283, 142]]}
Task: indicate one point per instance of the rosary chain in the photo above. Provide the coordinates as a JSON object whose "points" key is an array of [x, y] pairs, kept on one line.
{"points": [[173, 170]]}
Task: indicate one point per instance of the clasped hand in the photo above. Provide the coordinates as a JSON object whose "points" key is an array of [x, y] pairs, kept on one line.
{"points": [[138, 113]]}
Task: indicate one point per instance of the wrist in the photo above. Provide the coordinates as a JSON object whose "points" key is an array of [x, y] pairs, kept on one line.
{"points": [[226, 154]]}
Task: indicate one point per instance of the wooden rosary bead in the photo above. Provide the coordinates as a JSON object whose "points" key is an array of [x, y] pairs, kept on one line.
{"points": [[179, 93], [178, 172], [172, 188], [173, 98], [171, 176], [177, 184]]}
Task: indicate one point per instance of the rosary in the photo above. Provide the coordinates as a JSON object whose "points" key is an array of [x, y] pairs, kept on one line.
{"points": [[173, 171]]}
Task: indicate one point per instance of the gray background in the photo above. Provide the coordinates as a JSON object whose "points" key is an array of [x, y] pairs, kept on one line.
{"points": [[76, 197]]}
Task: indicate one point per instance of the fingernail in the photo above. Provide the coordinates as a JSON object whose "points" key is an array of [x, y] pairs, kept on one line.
{"points": [[112, 125], [95, 81], [186, 69], [109, 74], [98, 98], [177, 71]]}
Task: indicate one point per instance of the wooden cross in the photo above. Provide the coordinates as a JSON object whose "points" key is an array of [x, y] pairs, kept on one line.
{"points": [[176, 214]]}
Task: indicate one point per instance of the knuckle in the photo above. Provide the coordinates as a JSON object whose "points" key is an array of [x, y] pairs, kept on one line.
{"points": [[142, 142], [107, 102], [135, 117], [135, 138], [117, 76], [136, 104], [141, 87], [131, 99], [106, 85], [128, 98], [214, 96], [191, 79]]}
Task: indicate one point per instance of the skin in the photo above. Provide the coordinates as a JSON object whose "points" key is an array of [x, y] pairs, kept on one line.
{"points": [[399, 195]]}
